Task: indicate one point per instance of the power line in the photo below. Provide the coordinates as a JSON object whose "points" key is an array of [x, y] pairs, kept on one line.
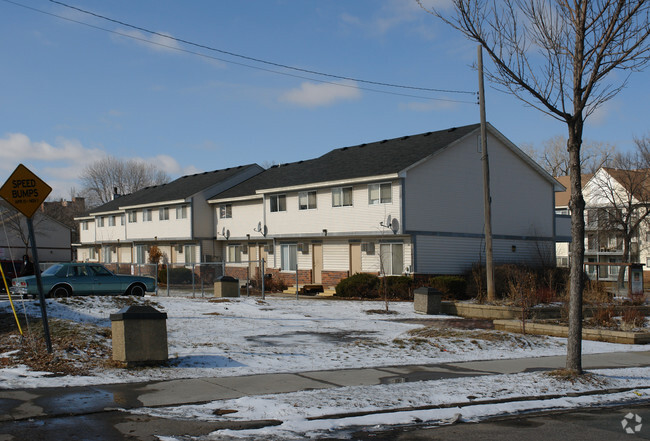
{"points": [[257, 60], [179, 49]]}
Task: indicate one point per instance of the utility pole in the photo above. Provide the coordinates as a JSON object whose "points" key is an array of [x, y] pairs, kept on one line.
{"points": [[491, 296]]}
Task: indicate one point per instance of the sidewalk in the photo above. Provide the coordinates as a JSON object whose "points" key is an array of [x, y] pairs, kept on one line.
{"points": [[21, 404]]}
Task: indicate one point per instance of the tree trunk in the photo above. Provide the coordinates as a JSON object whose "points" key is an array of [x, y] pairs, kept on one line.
{"points": [[577, 204]]}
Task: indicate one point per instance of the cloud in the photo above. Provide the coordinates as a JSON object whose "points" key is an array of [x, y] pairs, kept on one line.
{"points": [[159, 43], [321, 94]]}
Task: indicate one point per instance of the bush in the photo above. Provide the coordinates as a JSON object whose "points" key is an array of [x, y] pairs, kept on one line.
{"points": [[273, 284], [398, 287], [176, 275], [633, 318], [361, 285], [454, 286]]}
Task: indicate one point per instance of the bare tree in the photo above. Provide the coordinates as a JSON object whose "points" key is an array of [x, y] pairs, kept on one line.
{"points": [[620, 204], [557, 56], [16, 225], [554, 156], [101, 178], [643, 148]]}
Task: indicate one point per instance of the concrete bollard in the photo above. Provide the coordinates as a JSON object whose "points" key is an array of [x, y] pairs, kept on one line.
{"points": [[226, 286], [427, 300], [139, 336]]}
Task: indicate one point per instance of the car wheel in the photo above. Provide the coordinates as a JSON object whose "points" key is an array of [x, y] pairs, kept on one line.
{"points": [[60, 291], [136, 290]]}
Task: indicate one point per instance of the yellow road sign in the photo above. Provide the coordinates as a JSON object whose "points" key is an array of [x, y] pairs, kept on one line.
{"points": [[25, 191]]}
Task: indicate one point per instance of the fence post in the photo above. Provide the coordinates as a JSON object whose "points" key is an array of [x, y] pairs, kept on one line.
{"points": [[193, 282], [248, 278], [297, 289], [263, 275]]}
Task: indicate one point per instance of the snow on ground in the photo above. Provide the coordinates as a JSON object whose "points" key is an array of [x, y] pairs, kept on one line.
{"points": [[249, 336]]}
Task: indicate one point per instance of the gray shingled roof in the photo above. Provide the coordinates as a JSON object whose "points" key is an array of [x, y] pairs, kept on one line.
{"points": [[180, 188], [374, 159]]}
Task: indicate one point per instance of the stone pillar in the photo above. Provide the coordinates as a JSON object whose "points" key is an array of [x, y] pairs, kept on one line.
{"points": [[139, 335], [427, 300]]}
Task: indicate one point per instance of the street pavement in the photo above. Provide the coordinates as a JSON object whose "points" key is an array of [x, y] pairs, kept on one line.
{"points": [[20, 408]]}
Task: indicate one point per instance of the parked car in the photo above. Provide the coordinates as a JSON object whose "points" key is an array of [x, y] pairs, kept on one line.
{"points": [[67, 279], [10, 268]]}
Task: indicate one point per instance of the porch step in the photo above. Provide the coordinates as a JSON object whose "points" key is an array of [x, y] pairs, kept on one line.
{"points": [[307, 289]]}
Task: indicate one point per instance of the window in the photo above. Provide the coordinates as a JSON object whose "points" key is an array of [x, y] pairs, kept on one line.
{"points": [[562, 262], [163, 213], [392, 258], [342, 197], [380, 194], [140, 254], [190, 254], [106, 254], [307, 200], [289, 257], [278, 203], [133, 217], [225, 211], [121, 219], [146, 215], [92, 254], [84, 225], [181, 212], [100, 221], [234, 253], [111, 221]]}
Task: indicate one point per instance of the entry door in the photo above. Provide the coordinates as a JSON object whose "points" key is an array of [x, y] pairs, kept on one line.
{"points": [[252, 264], [317, 263], [355, 258]]}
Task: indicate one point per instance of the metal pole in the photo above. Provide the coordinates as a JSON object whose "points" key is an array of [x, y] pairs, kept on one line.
{"points": [[491, 296], [248, 278], [297, 290], [39, 284], [263, 276]]}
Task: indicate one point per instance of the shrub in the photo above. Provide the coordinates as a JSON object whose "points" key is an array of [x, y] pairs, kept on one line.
{"points": [[273, 284], [176, 275], [454, 286], [604, 317], [633, 318], [363, 285], [398, 287]]}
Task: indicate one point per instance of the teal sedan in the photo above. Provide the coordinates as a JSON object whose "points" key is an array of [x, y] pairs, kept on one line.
{"points": [[68, 279]]}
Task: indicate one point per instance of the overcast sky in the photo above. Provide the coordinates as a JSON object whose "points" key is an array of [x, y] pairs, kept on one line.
{"points": [[71, 93]]}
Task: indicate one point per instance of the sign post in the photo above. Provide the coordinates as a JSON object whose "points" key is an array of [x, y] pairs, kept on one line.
{"points": [[26, 192]]}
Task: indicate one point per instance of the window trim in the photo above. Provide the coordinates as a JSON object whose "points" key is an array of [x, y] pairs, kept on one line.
{"points": [[379, 200], [279, 206], [225, 211], [306, 195], [341, 193]]}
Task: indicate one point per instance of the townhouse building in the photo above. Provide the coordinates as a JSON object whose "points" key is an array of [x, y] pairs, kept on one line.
{"points": [[411, 205]]}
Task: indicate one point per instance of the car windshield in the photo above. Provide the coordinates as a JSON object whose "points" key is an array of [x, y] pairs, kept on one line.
{"points": [[52, 270]]}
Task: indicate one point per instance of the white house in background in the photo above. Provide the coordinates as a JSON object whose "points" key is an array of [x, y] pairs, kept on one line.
{"points": [[175, 217], [603, 243], [52, 237], [412, 205], [563, 219]]}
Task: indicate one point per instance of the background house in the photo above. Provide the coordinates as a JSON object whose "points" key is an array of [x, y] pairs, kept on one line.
{"points": [[53, 238]]}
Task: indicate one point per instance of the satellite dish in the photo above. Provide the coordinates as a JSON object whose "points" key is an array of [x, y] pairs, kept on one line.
{"points": [[259, 227], [227, 234], [388, 220], [394, 225]]}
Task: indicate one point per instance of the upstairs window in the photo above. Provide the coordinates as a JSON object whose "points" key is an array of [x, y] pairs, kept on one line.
{"points": [[225, 211], [111, 221], [84, 225], [307, 200], [163, 213], [278, 202], [342, 197], [181, 212], [380, 194], [100, 221], [146, 215], [133, 216]]}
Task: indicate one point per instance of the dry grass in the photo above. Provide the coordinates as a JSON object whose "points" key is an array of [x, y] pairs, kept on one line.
{"points": [[77, 348]]}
